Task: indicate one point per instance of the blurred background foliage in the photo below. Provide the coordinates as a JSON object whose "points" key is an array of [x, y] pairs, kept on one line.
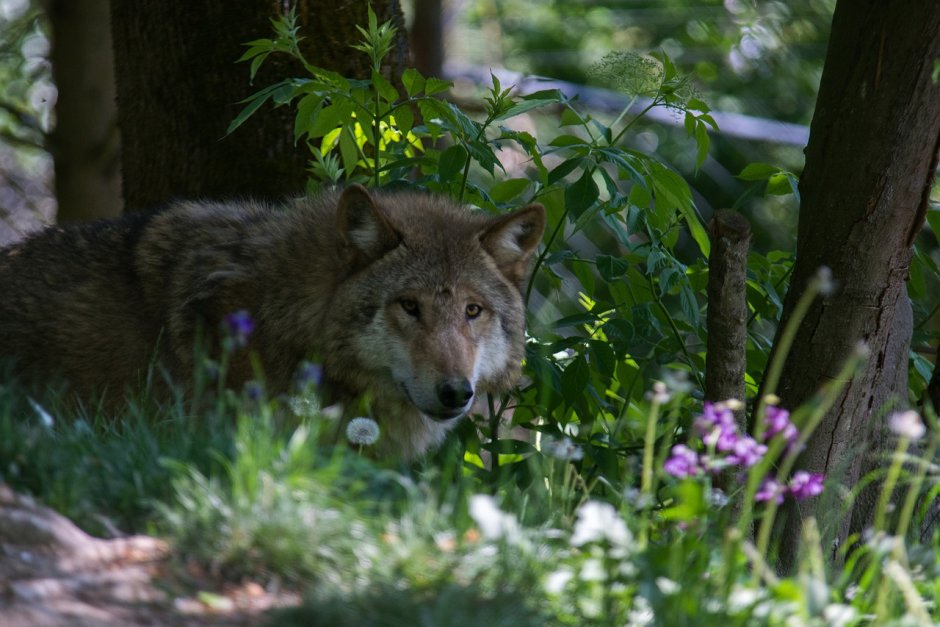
{"points": [[761, 59], [27, 97]]}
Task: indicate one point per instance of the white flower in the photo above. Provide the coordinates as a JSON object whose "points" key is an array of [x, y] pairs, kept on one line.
{"points": [[492, 521], [600, 521], [907, 424], [555, 582], [362, 431], [823, 281], [839, 614], [659, 394], [593, 570], [563, 449]]}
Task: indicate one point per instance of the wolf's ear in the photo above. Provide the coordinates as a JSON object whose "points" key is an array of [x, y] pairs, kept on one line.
{"points": [[512, 238], [362, 224]]}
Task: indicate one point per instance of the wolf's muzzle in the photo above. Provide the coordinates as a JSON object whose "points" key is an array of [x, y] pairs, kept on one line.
{"points": [[455, 394]]}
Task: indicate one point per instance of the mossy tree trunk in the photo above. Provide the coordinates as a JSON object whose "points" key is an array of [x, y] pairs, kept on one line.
{"points": [[870, 165], [179, 88]]}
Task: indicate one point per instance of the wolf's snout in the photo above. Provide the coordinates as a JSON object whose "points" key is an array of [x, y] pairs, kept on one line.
{"points": [[454, 393]]}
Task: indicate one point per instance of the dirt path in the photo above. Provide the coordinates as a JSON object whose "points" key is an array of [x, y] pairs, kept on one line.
{"points": [[53, 574]]}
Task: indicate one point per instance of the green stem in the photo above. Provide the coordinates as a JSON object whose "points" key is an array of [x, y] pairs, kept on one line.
{"points": [[821, 403], [541, 258], [894, 471], [646, 477], [781, 350], [676, 333], [910, 500], [630, 124]]}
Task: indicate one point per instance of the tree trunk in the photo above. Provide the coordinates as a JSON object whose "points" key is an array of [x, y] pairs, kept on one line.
{"points": [[179, 87], [85, 144], [870, 164], [726, 353], [427, 37]]}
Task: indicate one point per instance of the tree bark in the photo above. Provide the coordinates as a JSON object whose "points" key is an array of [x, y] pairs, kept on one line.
{"points": [[85, 143], [870, 164], [727, 308], [427, 37], [179, 87]]}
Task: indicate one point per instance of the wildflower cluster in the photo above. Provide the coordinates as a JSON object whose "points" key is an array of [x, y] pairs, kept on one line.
{"points": [[726, 447]]}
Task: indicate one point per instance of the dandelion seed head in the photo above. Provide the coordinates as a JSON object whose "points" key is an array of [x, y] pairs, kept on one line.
{"points": [[363, 431]]}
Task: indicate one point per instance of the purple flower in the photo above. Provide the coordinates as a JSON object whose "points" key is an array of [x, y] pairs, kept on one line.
{"points": [[717, 427], [777, 420], [715, 415], [803, 485], [682, 463], [239, 325], [747, 451], [309, 374], [770, 490], [254, 391]]}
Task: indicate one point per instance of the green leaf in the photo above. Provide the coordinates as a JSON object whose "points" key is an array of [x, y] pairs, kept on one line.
{"points": [[690, 502], [575, 379], [435, 86], [569, 117], [575, 320], [328, 118], [549, 95], [404, 119], [522, 107], [612, 268], [348, 150], [451, 163], [703, 141], [604, 359], [639, 196], [672, 192], [779, 184], [413, 82], [933, 220], [505, 191], [253, 105], [385, 89], [582, 194], [567, 140], [620, 333], [758, 171], [564, 169], [307, 111]]}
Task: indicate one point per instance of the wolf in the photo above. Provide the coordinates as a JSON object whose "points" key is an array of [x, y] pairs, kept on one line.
{"points": [[404, 297]]}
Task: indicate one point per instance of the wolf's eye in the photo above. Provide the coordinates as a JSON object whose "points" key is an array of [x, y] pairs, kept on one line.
{"points": [[473, 310], [410, 306]]}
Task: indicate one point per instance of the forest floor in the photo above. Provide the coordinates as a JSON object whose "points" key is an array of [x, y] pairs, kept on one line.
{"points": [[53, 574]]}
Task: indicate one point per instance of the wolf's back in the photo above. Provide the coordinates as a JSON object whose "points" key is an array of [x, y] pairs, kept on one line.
{"points": [[72, 304]]}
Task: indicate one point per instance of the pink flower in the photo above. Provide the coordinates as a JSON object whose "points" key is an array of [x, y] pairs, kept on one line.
{"points": [[770, 490], [682, 463], [778, 421], [803, 485], [746, 451]]}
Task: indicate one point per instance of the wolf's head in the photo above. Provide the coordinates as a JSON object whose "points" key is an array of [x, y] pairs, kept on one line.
{"points": [[433, 307]]}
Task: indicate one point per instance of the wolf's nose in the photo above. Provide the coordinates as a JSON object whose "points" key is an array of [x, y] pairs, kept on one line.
{"points": [[455, 393]]}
